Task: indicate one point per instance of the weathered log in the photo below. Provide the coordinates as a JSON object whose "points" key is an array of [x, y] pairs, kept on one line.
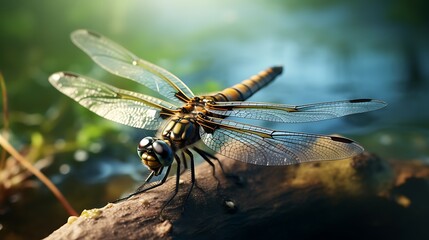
{"points": [[337, 198]]}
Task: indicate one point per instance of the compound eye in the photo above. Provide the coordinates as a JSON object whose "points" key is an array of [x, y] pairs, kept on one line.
{"points": [[163, 150], [161, 147], [145, 142], [144, 145]]}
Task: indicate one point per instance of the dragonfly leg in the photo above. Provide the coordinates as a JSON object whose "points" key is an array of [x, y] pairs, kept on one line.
{"points": [[206, 156], [185, 163], [139, 189], [176, 189], [191, 156], [142, 188]]}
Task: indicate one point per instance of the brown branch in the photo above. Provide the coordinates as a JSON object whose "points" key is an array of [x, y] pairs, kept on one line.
{"points": [[5, 128], [36, 172], [259, 202]]}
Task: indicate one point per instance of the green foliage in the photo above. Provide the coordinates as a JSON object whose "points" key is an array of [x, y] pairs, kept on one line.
{"points": [[90, 133]]}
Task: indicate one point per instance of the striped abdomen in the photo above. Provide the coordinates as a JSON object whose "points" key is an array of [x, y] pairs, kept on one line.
{"points": [[245, 89]]}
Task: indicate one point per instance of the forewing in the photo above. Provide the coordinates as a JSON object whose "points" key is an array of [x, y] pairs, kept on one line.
{"points": [[126, 107], [294, 114], [262, 146], [119, 61]]}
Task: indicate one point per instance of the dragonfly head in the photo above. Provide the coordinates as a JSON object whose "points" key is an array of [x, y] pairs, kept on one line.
{"points": [[155, 153]]}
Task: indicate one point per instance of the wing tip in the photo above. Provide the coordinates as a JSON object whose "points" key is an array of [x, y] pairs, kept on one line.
{"points": [[380, 104], [355, 148], [80, 32], [341, 139], [55, 77]]}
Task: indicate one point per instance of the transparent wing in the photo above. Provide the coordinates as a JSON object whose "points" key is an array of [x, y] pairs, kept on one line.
{"points": [[262, 146], [126, 107], [294, 114], [119, 61]]}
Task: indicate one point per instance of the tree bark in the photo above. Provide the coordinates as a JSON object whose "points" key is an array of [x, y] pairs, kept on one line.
{"points": [[353, 198]]}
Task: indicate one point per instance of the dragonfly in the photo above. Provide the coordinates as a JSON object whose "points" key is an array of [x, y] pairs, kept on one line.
{"points": [[183, 119]]}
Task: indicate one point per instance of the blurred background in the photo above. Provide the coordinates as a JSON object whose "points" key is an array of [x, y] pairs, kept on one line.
{"points": [[330, 50]]}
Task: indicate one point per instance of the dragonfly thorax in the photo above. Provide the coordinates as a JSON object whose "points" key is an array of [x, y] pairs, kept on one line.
{"points": [[195, 106], [181, 130], [155, 153]]}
